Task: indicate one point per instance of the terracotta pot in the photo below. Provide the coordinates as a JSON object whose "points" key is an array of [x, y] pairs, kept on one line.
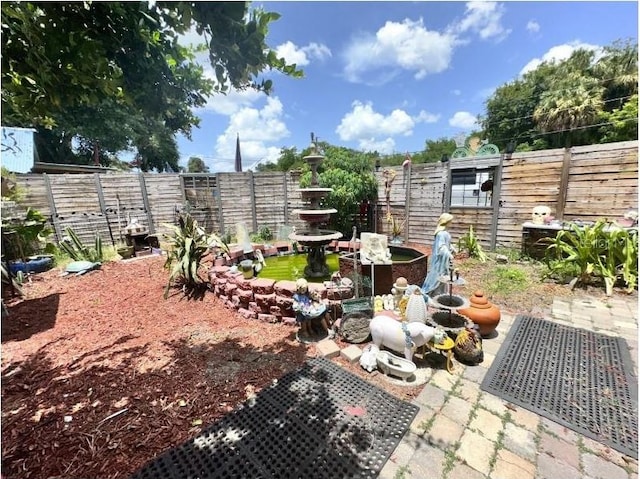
{"points": [[483, 313]]}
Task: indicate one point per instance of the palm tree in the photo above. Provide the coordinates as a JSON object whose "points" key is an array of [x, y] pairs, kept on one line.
{"points": [[575, 102], [618, 72]]}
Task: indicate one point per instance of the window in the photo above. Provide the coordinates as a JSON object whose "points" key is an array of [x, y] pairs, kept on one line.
{"points": [[471, 187]]}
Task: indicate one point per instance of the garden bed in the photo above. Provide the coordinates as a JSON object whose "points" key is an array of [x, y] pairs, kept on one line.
{"points": [[100, 374]]}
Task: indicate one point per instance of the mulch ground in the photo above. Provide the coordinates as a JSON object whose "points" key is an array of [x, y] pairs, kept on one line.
{"points": [[100, 374]]}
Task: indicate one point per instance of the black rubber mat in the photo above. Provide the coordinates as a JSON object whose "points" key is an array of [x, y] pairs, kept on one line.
{"points": [[319, 421], [577, 378]]}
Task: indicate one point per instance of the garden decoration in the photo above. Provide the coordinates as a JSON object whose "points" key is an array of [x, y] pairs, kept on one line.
{"points": [[399, 287], [310, 314], [448, 317], [473, 146], [389, 175], [441, 257], [541, 215], [314, 238], [393, 365], [403, 337], [482, 312], [468, 347], [368, 359], [416, 307], [81, 267]]}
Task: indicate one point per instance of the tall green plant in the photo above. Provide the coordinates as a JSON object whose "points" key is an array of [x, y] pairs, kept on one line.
{"points": [[601, 251], [189, 244], [78, 251], [29, 235], [469, 243]]}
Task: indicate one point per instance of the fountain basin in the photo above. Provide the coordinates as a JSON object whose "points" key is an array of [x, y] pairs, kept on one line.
{"points": [[405, 261], [316, 237], [452, 323], [393, 365], [449, 301]]}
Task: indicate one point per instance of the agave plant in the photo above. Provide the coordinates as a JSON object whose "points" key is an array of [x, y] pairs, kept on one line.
{"points": [[78, 251], [189, 244]]}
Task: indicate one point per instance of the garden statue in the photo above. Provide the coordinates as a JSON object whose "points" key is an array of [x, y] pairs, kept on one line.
{"points": [[399, 287], [373, 249], [310, 313], [441, 257], [389, 175], [403, 337], [540, 214]]}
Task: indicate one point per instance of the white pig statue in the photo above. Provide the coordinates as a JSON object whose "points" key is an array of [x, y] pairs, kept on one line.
{"points": [[403, 337]]}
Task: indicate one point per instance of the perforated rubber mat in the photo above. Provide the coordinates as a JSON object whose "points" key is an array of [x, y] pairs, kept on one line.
{"points": [[577, 378], [319, 421]]}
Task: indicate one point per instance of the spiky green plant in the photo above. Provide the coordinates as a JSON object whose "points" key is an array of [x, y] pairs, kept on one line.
{"points": [[469, 243], [601, 250], [189, 244], [78, 251]]}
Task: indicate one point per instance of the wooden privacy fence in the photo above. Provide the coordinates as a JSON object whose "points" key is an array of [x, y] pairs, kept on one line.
{"points": [[587, 182]]}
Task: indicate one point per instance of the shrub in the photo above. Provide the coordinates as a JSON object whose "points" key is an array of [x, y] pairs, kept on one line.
{"points": [[189, 244], [77, 251], [601, 251]]}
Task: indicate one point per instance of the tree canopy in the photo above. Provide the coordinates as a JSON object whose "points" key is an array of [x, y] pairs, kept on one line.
{"points": [[197, 165], [581, 100], [112, 76]]}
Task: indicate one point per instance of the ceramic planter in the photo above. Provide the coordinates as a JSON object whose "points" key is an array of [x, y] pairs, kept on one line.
{"points": [[483, 313]]}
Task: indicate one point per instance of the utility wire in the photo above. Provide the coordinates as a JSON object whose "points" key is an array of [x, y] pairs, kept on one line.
{"points": [[561, 109]]}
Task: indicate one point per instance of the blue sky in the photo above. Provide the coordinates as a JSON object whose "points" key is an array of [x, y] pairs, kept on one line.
{"points": [[388, 76]]}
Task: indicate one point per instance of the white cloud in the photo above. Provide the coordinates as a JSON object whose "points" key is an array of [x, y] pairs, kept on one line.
{"points": [[384, 147], [426, 117], [256, 128], [558, 53], [398, 46], [463, 119], [375, 131], [533, 26], [362, 122], [485, 19], [302, 56], [456, 92]]}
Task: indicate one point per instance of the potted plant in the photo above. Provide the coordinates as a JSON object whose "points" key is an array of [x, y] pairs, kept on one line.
{"points": [[397, 228], [124, 250]]}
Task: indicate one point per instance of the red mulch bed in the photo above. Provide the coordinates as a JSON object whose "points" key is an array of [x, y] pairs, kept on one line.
{"points": [[100, 374]]}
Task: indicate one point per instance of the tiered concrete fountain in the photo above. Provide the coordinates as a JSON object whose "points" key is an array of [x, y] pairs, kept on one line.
{"points": [[314, 238]]}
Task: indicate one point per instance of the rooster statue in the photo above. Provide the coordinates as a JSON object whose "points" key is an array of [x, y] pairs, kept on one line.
{"points": [[468, 347]]}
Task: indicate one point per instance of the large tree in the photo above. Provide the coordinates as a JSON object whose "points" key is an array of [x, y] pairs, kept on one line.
{"points": [[112, 75], [561, 103]]}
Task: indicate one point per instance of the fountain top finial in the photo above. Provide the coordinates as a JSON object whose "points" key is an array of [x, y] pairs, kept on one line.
{"points": [[314, 143]]}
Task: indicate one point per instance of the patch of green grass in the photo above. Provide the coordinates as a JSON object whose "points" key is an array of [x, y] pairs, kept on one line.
{"points": [[402, 472], [505, 280], [450, 458]]}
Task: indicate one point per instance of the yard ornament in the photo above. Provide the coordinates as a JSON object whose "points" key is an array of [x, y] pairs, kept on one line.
{"points": [[540, 214]]}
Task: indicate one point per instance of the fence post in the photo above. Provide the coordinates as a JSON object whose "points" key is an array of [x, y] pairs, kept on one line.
{"points": [[103, 208], [52, 203], [145, 202], [286, 198], [495, 198], [219, 204], [252, 190], [564, 184], [407, 201]]}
